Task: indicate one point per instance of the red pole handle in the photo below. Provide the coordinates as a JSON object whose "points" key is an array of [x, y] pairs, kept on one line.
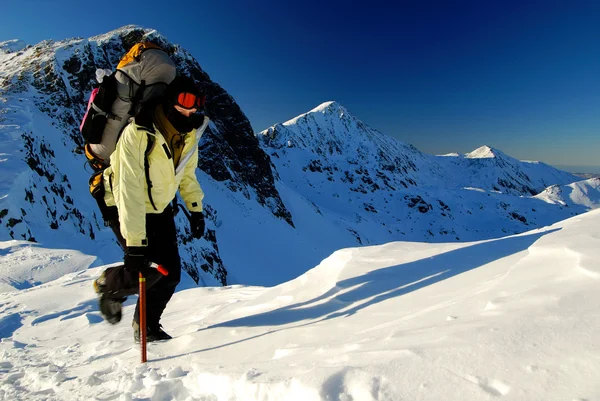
{"points": [[160, 269], [143, 317]]}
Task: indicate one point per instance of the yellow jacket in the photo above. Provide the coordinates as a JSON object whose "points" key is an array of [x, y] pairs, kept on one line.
{"points": [[125, 179]]}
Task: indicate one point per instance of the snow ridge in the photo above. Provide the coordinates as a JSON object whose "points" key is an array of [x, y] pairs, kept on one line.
{"points": [[485, 152], [402, 320]]}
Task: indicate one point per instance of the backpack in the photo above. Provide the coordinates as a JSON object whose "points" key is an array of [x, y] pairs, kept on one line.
{"points": [[142, 75]]}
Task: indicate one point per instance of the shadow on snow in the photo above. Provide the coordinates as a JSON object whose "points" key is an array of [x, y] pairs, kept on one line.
{"points": [[377, 286], [389, 282]]}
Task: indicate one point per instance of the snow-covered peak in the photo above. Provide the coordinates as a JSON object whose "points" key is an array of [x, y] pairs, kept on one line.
{"points": [[330, 136], [329, 124], [488, 167], [485, 152], [326, 107], [20, 61], [11, 46], [331, 108], [125, 30]]}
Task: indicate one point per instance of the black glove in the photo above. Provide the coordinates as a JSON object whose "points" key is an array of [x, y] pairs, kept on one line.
{"points": [[135, 258], [197, 224]]}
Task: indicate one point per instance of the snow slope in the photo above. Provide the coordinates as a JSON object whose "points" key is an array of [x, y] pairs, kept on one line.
{"points": [[25, 264], [582, 193], [513, 318]]}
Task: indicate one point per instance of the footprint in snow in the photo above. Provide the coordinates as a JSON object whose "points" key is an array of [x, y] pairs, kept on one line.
{"points": [[283, 352], [81, 309], [94, 381], [532, 368], [20, 345], [74, 282], [492, 308], [490, 386], [5, 307], [5, 366]]}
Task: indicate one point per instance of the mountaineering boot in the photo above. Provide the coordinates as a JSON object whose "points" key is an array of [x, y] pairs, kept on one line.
{"points": [[110, 308], [152, 333]]}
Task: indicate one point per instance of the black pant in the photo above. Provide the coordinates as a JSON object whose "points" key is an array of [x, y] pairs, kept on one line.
{"points": [[162, 249]]}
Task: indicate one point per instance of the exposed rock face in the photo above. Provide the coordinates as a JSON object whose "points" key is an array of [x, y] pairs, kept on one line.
{"points": [[58, 77]]}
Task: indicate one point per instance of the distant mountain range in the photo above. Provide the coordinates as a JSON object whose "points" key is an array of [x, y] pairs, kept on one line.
{"points": [[278, 201], [587, 175], [581, 171], [378, 186]]}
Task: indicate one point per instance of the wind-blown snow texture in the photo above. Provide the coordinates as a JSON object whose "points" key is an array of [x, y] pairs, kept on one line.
{"points": [[513, 318], [277, 202]]}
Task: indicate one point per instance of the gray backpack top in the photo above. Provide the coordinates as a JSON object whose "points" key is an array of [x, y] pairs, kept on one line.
{"points": [[142, 74]]}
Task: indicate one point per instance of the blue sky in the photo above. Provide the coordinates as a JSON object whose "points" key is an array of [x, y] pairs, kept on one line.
{"points": [[445, 76]]}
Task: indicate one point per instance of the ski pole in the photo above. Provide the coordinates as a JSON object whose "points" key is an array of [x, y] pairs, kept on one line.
{"points": [[143, 325], [143, 317]]}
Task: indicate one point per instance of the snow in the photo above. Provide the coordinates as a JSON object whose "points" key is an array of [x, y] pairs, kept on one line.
{"points": [[483, 152], [376, 189], [324, 106], [25, 264], [582, 193], [513, 317], [12, 46]]}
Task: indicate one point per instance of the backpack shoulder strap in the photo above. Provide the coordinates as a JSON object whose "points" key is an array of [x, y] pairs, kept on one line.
{"points": [[144, 118], [147, 167]]}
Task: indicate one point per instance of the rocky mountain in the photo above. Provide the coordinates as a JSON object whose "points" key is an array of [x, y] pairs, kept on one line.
{"points": [[277, 202], [491, 169], [44, 95], [381, 188]]}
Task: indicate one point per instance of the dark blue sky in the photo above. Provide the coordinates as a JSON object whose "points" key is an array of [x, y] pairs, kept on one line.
{"points": [[445, 76]]}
